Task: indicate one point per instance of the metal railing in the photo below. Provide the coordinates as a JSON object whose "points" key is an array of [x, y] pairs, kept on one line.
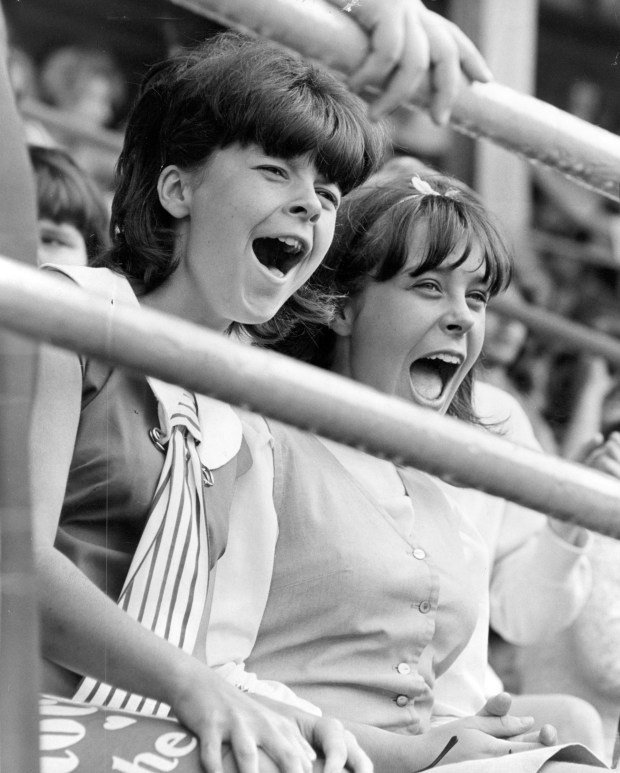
{"points": [[524, 125], [41, 305]]}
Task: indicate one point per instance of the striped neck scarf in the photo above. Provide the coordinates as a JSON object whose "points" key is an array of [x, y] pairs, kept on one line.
{"points": [[166, 586]]}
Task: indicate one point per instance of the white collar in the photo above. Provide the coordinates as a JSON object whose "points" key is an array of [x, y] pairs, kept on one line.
{"points": [[219, 424], [221, 428]]}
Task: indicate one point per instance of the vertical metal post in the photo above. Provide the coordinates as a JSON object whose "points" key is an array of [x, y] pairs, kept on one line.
{"points": [[19, 645], [508, 39], [507, 36]]}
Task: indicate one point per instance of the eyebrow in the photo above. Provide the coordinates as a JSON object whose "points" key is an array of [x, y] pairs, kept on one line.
{"points": [[296, 161], [444, 269]]}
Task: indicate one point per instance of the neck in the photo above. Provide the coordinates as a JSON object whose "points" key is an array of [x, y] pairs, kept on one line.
{"points": [[341, 357], [171, 299], [494, 373]]}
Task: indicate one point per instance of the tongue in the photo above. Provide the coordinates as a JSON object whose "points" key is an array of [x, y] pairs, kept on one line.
{"points": [[425, 380]]}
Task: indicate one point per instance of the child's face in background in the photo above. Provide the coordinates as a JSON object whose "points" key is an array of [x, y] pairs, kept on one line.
{"points": [[504, 336], [256, 229], [60, 243], [416, 337], [504, 339]]}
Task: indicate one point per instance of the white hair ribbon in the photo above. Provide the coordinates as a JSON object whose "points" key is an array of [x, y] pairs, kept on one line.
{"points": [[421, 186]]}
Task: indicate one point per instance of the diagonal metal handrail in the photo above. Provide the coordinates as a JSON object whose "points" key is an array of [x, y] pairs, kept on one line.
{"points": [[555, 329], [522, 124], [45, 306]]}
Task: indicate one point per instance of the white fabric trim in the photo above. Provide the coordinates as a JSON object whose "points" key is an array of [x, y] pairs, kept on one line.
{"points": [[220, 426]]}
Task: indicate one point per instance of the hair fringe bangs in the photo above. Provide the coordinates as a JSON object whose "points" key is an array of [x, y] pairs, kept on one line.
{"points": [[66, 201], [449, 223]]}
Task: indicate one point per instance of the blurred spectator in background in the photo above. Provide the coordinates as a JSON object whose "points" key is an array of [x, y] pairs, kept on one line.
{"points": [[415, 129], [583, 659], [86, 81], [571, 210], [566, 207], [72, 214], [578, 381], [24, 78], [578, 288], [23, 74], [89, 85], [512, 362]]}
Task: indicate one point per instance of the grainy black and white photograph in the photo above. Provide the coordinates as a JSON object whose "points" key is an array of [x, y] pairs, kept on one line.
{"points": [[310, 386]]}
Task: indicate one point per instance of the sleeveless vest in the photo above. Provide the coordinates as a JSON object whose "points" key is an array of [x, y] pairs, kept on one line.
{"points": [[360, 620], [107, 500]]}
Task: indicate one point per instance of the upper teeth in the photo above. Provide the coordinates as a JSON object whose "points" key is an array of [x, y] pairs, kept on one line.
{"points": [[291, 241], [453, 359]]}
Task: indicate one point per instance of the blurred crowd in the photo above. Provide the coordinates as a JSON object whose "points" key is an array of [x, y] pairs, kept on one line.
{"points": [[89, 90]]}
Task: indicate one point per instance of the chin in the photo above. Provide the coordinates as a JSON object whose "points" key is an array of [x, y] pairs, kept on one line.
{"points": [[256, 316], [441, 406]]}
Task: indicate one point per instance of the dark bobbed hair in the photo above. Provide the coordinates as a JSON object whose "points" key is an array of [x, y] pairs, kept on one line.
{"points": [[67, 194], [230, 89], [374, 231]]}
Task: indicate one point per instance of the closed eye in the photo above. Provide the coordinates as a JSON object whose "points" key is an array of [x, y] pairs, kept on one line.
{"points": [[54, 241], [278, 171], [427, 285], [57, 237]]}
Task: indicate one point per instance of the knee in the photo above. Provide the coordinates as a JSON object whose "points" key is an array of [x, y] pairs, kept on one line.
{"points": [[578, 719]]}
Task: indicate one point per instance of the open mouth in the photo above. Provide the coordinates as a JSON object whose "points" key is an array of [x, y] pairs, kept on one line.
{"points": [[430, 376], [279, 254]]}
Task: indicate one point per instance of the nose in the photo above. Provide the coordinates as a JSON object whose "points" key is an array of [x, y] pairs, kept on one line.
{"points": [[306, 205], [458, 319]]}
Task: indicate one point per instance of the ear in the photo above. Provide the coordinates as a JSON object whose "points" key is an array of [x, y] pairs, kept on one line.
{"points": [[342, 323], [175, 191]]}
